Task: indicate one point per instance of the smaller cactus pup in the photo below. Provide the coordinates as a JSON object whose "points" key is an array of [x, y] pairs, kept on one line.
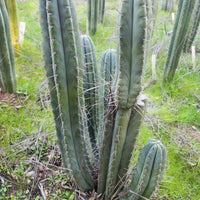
{"points": [[92, 15], [101, 10], [11, 6], [148, 172], [185, 8], [7, 60], [193, 27]]}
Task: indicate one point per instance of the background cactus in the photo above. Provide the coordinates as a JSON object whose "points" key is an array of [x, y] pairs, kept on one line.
{"points": [[7, 61], [151, 13], [168, 5], [185, 8], [74, 95], [101, 10], [11, 6], [193, 27], [92, 13]]}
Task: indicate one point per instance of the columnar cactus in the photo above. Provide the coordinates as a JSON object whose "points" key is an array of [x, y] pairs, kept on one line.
{"points": [[90, 80], [185, 8], [7, 60], [193, 27], [148, 171], [64, 65], [151, 13], [92, 14], [101, 10], [11, 6], [98, 154]]}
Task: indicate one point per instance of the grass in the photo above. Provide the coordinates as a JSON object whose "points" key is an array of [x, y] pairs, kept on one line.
{"points": [[27, 139]]}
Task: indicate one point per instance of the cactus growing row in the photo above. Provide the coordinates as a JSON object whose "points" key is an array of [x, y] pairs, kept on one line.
{"points": [[193, 27], [185, 8], [74, 91], [7, 61]]}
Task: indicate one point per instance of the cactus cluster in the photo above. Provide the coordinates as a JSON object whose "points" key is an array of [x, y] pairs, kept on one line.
{"points": [[7, 60], [193, 27], [98, 116], [185, 8]]}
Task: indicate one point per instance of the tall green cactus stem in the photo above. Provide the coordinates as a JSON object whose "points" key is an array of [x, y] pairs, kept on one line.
{"points": [[7, 60], [65, 62], [135, 121], [92, 13], [130, 46], [193, 27], [101, 11], [90, 81], [151, 13], [11, 6], [131, 40], [184, 12], [148, 172], [107, 114]]}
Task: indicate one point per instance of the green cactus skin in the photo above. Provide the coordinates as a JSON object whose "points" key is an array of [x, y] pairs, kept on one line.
{"points": [[135, 121], [131, 41], [184, 12], [107, 114], [65, 59], [130, 48], [7, 61], [108, 70], [92, 12], [193, 27], [101, 10], [148, 172], [90, 88], [11, 6]]}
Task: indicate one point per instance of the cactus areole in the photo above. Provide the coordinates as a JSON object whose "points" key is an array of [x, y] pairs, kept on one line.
{"points": [[98, 116]]}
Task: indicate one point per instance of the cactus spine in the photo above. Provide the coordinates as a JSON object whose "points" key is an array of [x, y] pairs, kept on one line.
{"points": [[65, 61], [101, 10], [193, 27], [148, 171], [7, 61], [92, 12], [11, 6], [184, 12]]}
